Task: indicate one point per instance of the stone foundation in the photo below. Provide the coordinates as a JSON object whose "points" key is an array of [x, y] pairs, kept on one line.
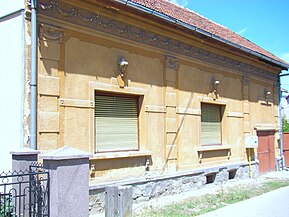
{"points": [[152, 187]]}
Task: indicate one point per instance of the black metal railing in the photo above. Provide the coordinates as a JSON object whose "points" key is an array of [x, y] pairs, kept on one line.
{"points": [[25, 193]]}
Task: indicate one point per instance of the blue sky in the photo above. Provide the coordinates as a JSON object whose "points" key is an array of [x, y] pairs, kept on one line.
{"points": [[264, 22]]}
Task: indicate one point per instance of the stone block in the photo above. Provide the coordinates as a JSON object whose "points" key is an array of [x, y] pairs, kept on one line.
{"points": [[48, 104], [246, 108], [96, 201], [172, 165], [48, 86], [48, 141], [49, 50], [171, 75], [48, 122], [48, 67], [171, 112], [136, 192], [171, 99], [171, 125], [171, 138], [171, 86], [171, 152], [222, 176], [247, 127], [147, 189]]}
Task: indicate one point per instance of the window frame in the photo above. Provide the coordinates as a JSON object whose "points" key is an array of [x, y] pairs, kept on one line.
{"points": [[221, 112], [115, 94]]}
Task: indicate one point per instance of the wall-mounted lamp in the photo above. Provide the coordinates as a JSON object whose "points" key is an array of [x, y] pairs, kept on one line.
{"points": [[267, 93], [215, 84], [122, 66], [92, 170]]}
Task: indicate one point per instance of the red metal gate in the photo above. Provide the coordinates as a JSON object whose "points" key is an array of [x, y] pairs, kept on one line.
{"points": [[266, 151], [285, 137]]}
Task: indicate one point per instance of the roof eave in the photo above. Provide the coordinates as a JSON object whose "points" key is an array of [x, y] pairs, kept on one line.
{"points": [[174, 21]]}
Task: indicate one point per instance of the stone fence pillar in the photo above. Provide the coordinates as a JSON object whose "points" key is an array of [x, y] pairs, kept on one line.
{"points": [[69, 182], [22, 159]]}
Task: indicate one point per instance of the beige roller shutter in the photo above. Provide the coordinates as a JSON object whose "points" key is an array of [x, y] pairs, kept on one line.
{"points": [[210, 124], [116, 123]]}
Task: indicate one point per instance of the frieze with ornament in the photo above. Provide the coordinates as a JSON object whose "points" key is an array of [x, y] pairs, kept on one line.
{"points": [[99, 22]]}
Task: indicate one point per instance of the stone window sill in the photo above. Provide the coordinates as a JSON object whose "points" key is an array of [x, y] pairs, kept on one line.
{"points": [[126, 154], [213, 148]]}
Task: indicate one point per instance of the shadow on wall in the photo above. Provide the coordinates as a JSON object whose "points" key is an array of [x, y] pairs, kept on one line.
{"points": [[215, 154], [103, 166]]}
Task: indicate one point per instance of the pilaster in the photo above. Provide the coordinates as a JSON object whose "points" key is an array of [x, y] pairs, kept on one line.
{"points": [[171, 153], [50, 39], [246, 105]]}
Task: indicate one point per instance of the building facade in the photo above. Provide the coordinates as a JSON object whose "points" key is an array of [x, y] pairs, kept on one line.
{"points": [[145, 95]]}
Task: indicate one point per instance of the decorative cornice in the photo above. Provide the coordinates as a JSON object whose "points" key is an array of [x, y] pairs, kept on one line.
{"points": [[50, 33], [99, 22]]}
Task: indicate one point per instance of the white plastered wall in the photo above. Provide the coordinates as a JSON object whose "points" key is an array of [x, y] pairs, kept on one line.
{"points": [[11, 79]]}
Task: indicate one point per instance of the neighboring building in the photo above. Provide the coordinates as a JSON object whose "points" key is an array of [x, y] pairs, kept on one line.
{"points": [[146, 86], [284, 103], [11, 79]]}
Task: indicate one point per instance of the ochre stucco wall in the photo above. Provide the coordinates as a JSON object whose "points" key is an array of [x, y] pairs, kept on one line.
{"points": [[75, 64]]}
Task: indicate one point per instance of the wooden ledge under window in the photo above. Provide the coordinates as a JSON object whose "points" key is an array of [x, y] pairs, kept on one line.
{"points": [[122, 154]]}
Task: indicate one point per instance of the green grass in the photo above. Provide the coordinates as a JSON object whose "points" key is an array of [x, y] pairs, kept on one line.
{"points": [[206, 203]]}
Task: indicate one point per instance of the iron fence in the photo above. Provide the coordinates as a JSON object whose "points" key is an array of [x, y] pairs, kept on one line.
{"points": [[25, 193]]}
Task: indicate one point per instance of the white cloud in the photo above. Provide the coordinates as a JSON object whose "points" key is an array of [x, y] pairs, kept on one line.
{"points": [[285, 57], [180, 2], [242, 31]]}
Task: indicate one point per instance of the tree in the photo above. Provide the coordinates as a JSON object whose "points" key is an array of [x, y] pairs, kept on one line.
{"points": [[285, 125]]}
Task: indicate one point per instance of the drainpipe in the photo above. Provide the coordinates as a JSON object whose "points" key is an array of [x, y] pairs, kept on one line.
{"points": [[22, 78], [33, 77], [280, 122]]}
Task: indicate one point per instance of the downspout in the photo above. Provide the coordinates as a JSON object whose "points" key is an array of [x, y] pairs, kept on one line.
{"points": [[22, 79], [280, 123], [33, 77]]}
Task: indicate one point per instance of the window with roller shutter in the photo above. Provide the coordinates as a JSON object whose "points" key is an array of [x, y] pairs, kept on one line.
{"points": [[211, 124], [116, 122]]}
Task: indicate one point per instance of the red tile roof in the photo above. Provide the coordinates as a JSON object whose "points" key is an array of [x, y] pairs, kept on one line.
{"points": [[190, 17]]}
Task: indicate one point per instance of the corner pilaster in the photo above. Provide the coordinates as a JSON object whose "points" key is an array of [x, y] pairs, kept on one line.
{"points": [[50, 40]]}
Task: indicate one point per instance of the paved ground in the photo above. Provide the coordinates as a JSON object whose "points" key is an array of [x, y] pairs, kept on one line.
{"points": [[271, 204]]}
